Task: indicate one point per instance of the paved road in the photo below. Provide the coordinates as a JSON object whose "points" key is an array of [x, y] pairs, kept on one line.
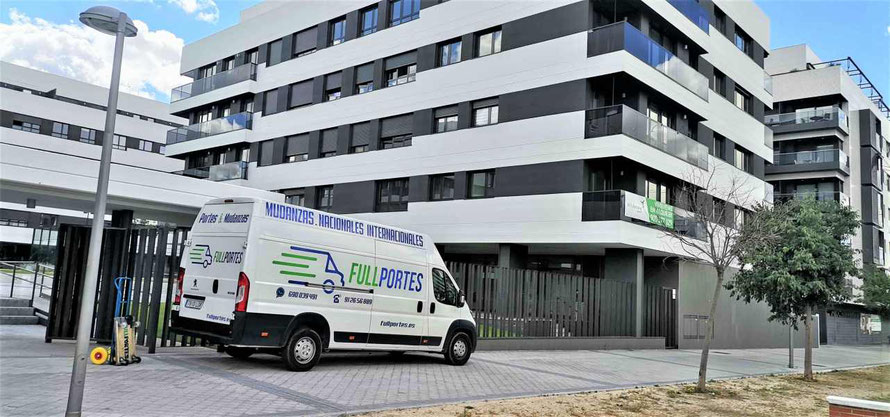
{"points": [[34, 378]]}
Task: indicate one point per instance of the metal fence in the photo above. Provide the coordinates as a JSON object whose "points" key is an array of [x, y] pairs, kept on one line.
{"points": [[30, 280]]}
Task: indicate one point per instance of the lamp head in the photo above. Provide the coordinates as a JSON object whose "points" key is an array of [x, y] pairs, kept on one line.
{"points": [[104, 19]]}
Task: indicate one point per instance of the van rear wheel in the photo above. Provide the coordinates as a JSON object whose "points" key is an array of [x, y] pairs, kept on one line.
{"points": [[457, 352], [239, 353], [303, 350]]}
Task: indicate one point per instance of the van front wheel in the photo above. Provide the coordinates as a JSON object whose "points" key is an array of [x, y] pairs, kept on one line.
{"points": [[303, 350], [458, 350]]}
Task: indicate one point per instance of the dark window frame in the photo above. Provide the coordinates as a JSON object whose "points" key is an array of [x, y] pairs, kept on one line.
{"points": [[445, 52], [488, 185], [363, 30], [337, 26], [496, 42], [439, 188], [325, 198], [392, 185]]}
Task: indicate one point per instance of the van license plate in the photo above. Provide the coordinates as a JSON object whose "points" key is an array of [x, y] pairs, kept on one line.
{"points": [[193, 303]]}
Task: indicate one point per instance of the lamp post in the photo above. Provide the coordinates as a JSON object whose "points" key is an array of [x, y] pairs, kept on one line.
{"points": [[110, 21]]}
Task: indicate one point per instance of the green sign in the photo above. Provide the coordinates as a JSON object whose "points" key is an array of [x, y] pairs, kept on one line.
{"points": [[660, 213]]}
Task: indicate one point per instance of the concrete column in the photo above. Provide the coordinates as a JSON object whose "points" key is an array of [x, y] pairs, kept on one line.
{"points": [[627, 265], [512, 255], [122, 218]]}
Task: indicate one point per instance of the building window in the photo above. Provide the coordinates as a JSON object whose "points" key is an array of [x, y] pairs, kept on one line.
{"points": [[488, 43], [296, 197], [267, 153], [338, 31], [719, 83], [276, 55], [742, 159], [401, 75], [485, 112], [742, 100], [119, 142], [297, 148], [229, 64], [368, 21], [449, 53], [361, 138], [392, 195], [743, 42], [328, 143], [145, 145], [270, 102], [358, 149], [325, 198], [364, 78], [27, 126], [403, 11], [657, 191], [720, 20], [395, 142], [301, 94], [446, 123], [306, 42], [480, 184], [207, 71], [332, 86], [60, 130], [719, 147], [87, 135], [442, 187]]}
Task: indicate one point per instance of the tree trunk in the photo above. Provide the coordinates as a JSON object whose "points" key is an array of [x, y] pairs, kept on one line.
{"points": [[808, 352], [703, 365]]}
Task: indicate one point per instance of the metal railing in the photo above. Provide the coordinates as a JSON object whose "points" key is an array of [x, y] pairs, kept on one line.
{"points": [[231, 123], [229, 171], [622, 119], [610, 205], [818, 195], [34, 274], [694, 12], [812, 157], [624, 36], [814, 115], [219, 80]]}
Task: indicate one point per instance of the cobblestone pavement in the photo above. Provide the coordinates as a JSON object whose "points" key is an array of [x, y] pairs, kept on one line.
{"points": [[34, 377]]}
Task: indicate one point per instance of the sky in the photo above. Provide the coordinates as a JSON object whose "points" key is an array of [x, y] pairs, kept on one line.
{"points": [[46, 35]]}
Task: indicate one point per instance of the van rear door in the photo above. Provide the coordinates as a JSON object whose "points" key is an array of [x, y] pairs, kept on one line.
{"points": [[213, 262]]}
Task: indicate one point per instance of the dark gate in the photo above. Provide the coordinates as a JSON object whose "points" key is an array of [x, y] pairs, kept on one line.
{"points": [[149, 256], [660, 314]]}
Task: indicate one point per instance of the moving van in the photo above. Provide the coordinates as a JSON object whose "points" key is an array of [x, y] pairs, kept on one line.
{"points": [[264, 277]]}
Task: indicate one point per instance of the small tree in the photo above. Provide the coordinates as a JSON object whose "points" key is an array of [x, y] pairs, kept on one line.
{"points": [[876, 290], [797, 261], [710, 235]]}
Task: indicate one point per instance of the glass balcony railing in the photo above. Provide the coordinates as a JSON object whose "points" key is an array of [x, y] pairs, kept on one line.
{"points": [[767, 83], [200, 172], [226, 124], [624, 36], [806, 116], [818, 195], [229, 171], [219, 80], [812, 157], [621, 119], [623, 205], [694, 12], [768, 136]]}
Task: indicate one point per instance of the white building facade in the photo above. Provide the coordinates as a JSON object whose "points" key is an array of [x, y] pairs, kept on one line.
{"points": [[515, 133]]}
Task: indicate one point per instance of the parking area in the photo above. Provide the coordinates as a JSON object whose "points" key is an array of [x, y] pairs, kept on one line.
{"points": [[34, 377]]}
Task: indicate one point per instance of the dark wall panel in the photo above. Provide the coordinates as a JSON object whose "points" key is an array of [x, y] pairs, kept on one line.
{"points": [[549, 178], [542, 101], [541, 27], [354, 197]]}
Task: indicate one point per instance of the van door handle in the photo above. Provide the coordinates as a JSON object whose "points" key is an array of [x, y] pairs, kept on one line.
{"points": [[432, 308], [419, 306]]}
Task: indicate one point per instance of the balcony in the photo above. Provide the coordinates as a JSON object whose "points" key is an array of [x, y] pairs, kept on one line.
{"points": [[224, 172], [694, 12], [808, 161], [767, 83], [226, 124], [621, 119], [808, 119], [626, 206], [818, 195], [624, 36], [219, 80]]}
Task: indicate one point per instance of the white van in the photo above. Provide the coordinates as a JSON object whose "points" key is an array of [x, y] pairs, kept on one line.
{"points": [[260, 276]]}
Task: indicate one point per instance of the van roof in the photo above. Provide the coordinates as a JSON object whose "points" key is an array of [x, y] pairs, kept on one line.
{"points": [[289, 212]]}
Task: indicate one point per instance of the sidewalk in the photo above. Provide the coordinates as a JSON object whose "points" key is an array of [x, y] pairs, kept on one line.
{"points": [[34, 377]]}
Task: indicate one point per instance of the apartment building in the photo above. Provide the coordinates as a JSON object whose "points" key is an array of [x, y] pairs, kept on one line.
{"points": [[830, 129], [515, 133], [51, 132]]}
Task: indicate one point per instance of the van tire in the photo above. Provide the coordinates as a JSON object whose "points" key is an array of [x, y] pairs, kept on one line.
{"points": [[458, 350], [303, 350], [239, 353]]}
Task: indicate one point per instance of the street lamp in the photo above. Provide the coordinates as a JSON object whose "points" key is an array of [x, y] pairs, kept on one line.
{"points": [[110, 21]]}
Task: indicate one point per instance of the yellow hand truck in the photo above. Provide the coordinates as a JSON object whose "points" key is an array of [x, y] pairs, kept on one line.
{"points": [[122, 351]]}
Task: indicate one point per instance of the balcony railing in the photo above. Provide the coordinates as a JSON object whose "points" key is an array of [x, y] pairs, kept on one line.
{"points": [[812, 157], [226, 124], [767, 83], [621, 119], [818, 195], [229, 171], [808, 116], [200, 172], [626, 206], [218, 80], [624, 36], [692, 10]]}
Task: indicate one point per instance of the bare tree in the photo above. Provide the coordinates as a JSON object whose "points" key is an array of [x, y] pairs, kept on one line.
{"points": [[708, 233]]}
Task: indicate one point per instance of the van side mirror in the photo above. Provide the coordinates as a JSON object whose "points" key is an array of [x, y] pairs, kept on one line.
{"points": [[461, 299]]}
